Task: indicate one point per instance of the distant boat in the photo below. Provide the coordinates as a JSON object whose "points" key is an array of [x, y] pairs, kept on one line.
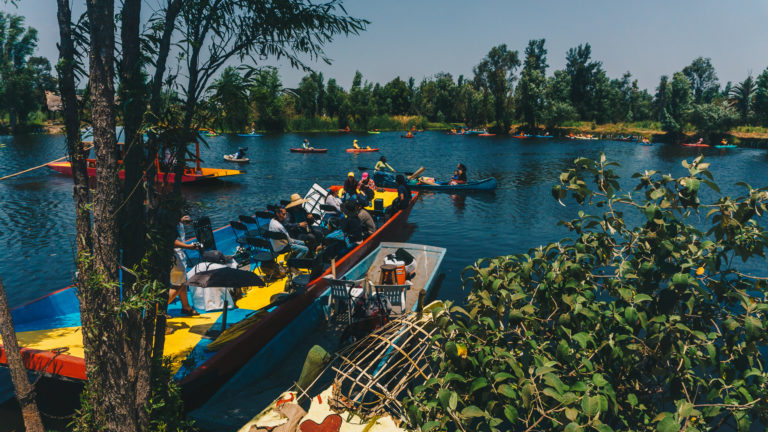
{"points": [[374, 132], [362, 150], [309, 150], [486, 134], [522, 136], [250, 135]]}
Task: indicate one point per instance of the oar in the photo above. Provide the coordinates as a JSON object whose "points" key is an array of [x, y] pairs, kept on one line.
{"points": [[416, 174], [372, 169]]}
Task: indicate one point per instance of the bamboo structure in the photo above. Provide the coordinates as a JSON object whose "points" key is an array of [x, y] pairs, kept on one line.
{"points": [[372, 374]]}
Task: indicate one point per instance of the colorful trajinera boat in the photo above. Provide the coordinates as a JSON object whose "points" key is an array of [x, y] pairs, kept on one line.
{"points": [[425, 266], [190, 174], [48, 329]]}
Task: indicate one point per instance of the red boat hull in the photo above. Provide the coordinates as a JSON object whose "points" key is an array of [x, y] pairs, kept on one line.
{"points": [[189, 176], [354, 150]]}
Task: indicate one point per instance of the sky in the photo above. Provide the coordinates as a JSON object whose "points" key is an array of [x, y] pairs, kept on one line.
{"points": [[420, 38]]}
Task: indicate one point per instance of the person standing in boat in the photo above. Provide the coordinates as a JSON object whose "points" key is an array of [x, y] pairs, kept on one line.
{"points": [[179, 270], [276, 226], [382, 164], [403, 193]]}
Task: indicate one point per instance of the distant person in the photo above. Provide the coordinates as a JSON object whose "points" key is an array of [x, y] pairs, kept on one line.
{"points": [[240, 153], [724, 141], [460, 175], [179, 270], [305, 145], [350, 187], [382, 164], [367, 187], [276, 226], [354, 144], [403, 193]]}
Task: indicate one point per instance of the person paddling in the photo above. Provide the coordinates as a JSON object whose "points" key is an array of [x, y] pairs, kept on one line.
{"points": [[382, 164]]}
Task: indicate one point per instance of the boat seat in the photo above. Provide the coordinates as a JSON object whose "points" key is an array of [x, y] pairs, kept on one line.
{"points": [[395, 294], [344, 292]]}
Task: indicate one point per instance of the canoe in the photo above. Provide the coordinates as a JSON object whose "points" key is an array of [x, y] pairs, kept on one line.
{"points": [[230, 158], [190, 175], [486, 134], [726, 146], [627, 139], [309, 150], [362, 150], [428, 260], [48, 329], [388, 180], [250, 135], [374, 132], [695, 145]]}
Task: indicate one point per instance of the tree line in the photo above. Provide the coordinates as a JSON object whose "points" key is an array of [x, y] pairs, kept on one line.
{"points": [[506, 88]]}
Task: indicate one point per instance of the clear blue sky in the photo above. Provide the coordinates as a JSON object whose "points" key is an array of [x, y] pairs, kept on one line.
{"points": [[420, 38]]}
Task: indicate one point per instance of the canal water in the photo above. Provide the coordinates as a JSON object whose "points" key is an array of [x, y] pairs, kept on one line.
{"points": [[37, 215]]}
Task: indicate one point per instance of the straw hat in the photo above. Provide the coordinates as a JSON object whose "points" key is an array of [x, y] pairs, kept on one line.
{"points": [[295, 200]]}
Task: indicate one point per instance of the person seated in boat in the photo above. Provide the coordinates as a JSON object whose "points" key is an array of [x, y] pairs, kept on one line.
{"points": [[300, 224], [382, 164], [403, 193], [367, 225], [333, 201], [347, 128], [240, 153], [352, 225], [179, 270], [354, 144], [305, 145], [367, 187], [276, 226], [724, 141], [409, 134], [350, 187], [460, 176]]}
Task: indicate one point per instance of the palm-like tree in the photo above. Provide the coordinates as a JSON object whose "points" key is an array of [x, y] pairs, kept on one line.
{"points": [[741, 97]]}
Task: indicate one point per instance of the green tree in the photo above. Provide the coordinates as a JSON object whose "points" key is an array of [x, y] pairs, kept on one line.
{"points": [[530, 89], [360, 98], [265, 97], [556, 113], [660, 99], [496, 74], [641, 320], [583, 75], [400, 95], [703, 78], [230, 95], [742, 96], [17, 44], [677, 105], [308, 94], [712, 120], [334, 97], [760, 103]]}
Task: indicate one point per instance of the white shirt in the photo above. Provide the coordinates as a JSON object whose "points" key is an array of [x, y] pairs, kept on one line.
{"points": [[276, 226]]}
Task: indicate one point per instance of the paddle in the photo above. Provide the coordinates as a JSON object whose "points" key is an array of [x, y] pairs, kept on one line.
{"points": [[416, 174], [371, 169]]}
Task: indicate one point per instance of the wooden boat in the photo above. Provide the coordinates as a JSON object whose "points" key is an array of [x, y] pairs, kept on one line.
{"points": [[232, 158], [190, 174], [427, 260], [250, 135], [309, 150], [48, 329]]}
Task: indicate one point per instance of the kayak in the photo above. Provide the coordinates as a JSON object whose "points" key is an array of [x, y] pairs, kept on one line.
{"points": [[544, 136], [407, 136], [362, 150], [249, 135], [309, 150], [344, 130], [486, 134], [695, 145], [374, 132], [231, 158], [522, 136], [726, 146]]}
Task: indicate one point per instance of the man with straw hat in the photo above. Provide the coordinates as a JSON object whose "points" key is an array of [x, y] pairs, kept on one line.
{"points": [[300, 222]]}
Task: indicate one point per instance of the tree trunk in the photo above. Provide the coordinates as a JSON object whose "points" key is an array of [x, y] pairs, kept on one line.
{"points": [[25, 393]]}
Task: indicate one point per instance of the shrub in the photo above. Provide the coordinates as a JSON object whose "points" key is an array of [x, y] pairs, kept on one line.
{"points": [[644, 327]]}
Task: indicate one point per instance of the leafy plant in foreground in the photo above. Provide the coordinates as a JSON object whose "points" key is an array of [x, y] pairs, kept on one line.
{"points": [[650, 326]]}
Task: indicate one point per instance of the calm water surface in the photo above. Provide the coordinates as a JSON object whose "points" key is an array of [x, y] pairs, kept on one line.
{"points": [[37, 215]]}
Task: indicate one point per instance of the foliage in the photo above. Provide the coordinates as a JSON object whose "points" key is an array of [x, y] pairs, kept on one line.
{"points": [[677, 104], [713, 120], [742, 95], [583, 75], [530, 89], [230, 100], [641, 321], [266, 98], [703, 78], [495, 74]]}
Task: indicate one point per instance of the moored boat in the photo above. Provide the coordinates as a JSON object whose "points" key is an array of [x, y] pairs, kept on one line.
{"points": [[49, 331], [427, 260], [407, 136], [309, 150]]}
